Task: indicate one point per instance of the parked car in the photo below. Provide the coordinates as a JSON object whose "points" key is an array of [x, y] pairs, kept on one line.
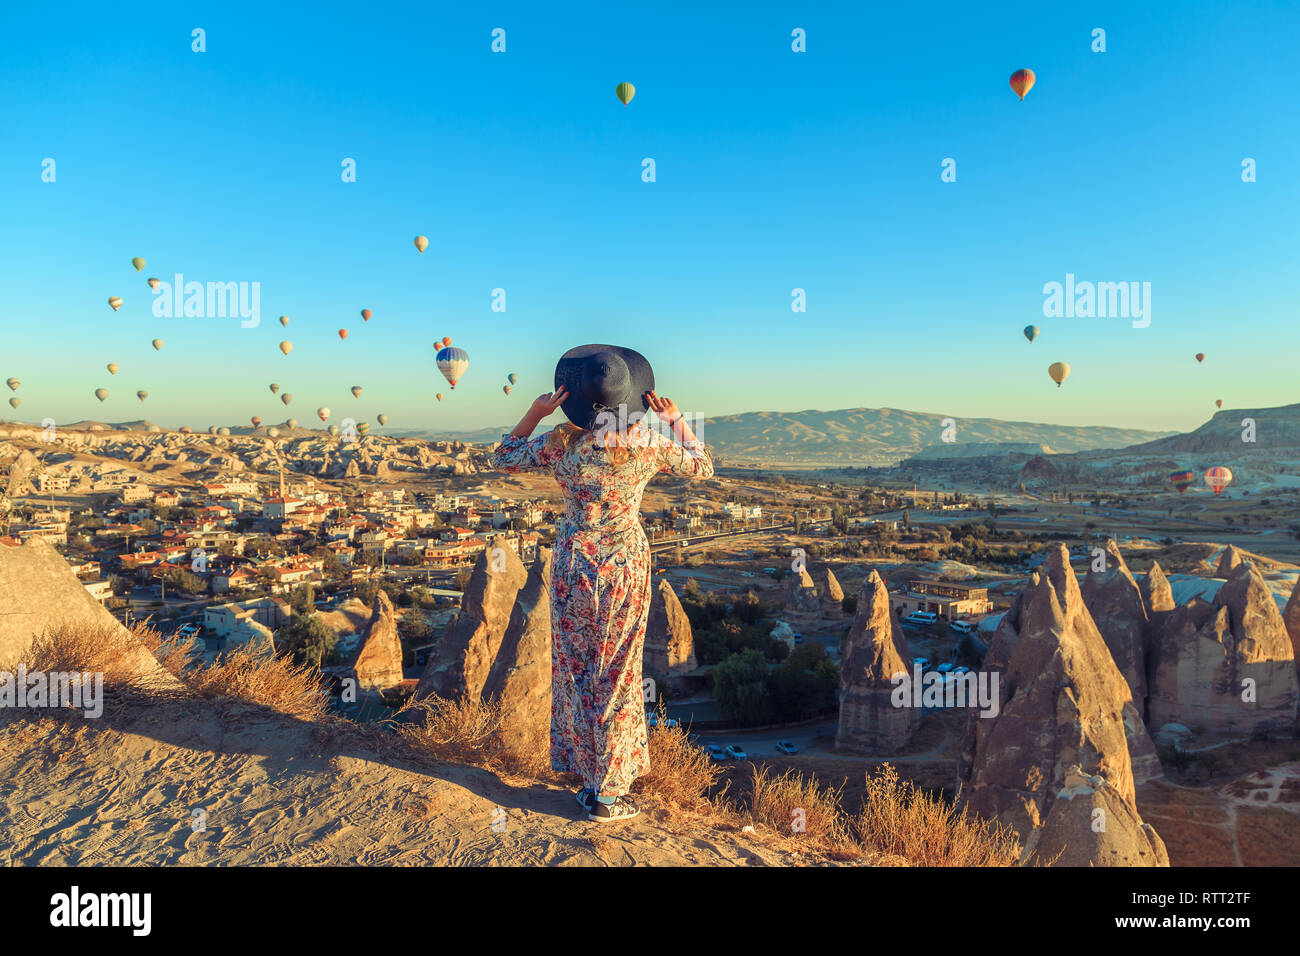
{"points": [[716, 752], [785, 747], [961, 627], [919, 619], [736, 753]]}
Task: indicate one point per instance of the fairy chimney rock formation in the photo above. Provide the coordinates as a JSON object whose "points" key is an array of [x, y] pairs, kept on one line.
{"points": [[1291, 618], [832, 596], [801, 594], [1229, 561], [468, 645], [669, 645], [377, 664], [1055, 758], [1114, 600], [1157, 594], [872, 652], [1226, 666], [520, 676]]}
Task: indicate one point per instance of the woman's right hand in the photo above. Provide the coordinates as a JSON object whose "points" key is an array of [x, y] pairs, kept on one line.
{"points": [[543, 405], [665, 408]]}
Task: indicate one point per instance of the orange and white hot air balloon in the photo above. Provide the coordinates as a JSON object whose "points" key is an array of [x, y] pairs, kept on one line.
{"points": [[343, 333], [323, 413], [1022, 81], [115, 301], [256, 420], [154, 283], [1218, 478]]}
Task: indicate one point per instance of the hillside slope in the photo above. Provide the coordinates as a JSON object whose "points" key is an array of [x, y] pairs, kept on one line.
{"points": [[272, 790]]}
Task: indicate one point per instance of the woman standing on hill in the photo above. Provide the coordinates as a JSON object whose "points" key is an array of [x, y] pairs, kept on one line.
{"points": [[600, 573]]}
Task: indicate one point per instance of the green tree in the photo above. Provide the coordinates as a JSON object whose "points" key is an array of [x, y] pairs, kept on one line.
{"points": [[740, 685]]}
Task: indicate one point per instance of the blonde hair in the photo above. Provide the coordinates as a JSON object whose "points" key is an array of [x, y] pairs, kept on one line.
{"points": [[567, 434]]}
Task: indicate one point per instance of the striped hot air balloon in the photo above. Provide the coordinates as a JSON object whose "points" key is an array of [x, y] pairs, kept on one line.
{"points": [[625, 92], [1022, 81], [1218, 478], [452, 363], [1182, 480]]}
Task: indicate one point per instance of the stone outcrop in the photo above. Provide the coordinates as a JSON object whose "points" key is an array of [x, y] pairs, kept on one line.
{"points": [[1229, 561], [21, 470], [377, 663], [39, 593], [1056, 757], [1291, 618], [520, 676], [832, 596], [468, 645], [1115, 602], [669, 644], [1227, 666], [1157, 594], [872, 652], [801, 594]]}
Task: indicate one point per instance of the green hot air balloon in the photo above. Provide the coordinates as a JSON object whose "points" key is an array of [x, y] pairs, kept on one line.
{"points": [[363, 429], [138, 262], [157, 345], [101, 393], [1031, 332], [625, 92], [292, 423], [287, 397], [15, 402]]}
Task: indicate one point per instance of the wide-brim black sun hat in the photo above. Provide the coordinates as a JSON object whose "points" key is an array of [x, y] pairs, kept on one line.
{"points": [[600, 378]]}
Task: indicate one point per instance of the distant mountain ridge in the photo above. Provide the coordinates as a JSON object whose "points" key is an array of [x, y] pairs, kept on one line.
{"points": [[882, 436]]}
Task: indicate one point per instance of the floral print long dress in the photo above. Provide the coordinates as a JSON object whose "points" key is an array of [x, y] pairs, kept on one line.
{"points": [[600, 598]]}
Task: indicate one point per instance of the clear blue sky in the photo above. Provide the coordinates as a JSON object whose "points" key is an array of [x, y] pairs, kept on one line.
{"points": [[775, 170]]}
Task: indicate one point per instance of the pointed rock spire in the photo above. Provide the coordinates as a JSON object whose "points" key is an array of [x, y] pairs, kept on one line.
{"points": [[872, 652]]}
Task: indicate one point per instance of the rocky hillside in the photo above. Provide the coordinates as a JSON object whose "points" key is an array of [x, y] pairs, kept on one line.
{"points": [[883, 436]]}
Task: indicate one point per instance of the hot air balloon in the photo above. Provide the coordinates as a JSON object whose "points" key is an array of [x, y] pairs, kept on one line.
{"points": [[112, 368], [1031, 332], [333, 430], [142, 394], [15, 402], [212, 429], [157, 345], [438, 396], [625, 92], [292, 423], [1218, 403], [382, 419], [223, 430], [186, 430], [343, 333], [256, 420], [154, 283], [101, 393], [365, 315], [356, 391], [421, 243], [1022, 81], [446, 340], [1182, 480], [512, 378], [506, 389], [1218, 478], [115, 301], [323, 413], [274, 388], [363, 429], [138, 262], [286, 347], [284, 320], [1200, 356], [452, 364], [13, 384], [286, 398], [273, 432], [1059, 371]]}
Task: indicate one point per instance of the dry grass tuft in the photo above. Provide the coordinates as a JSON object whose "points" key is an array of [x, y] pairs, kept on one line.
{"points": [[681, 775], [107, 650], [897, 818], [791, 804], [274, 682]]}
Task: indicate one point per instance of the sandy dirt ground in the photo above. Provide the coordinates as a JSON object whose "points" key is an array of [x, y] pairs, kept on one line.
{"points": [[228, 783]]}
